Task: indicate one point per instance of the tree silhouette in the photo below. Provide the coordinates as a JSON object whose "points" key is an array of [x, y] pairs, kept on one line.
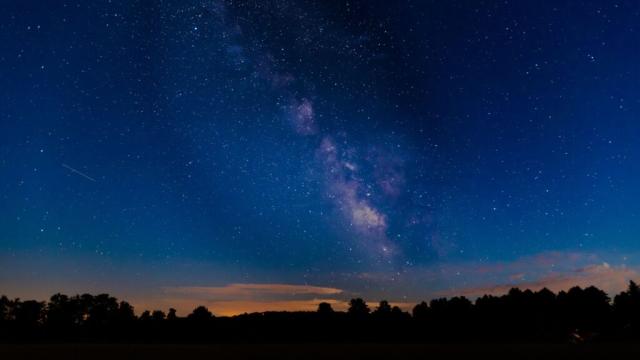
{"points": [[358, 308], [4, 308], [126, 313], [324, 308], [145, 316], [29, 313], [103, 309], [157, 315], [421, 311], [576, 315], [627, 309], [596, 300], [201, 313], [383, 308], [172, 314], [396, 312], [85, 306], [61, 311], [585, 310]]}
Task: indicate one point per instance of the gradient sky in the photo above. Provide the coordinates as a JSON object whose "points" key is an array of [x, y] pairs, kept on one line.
{"points": [[253, 155]]}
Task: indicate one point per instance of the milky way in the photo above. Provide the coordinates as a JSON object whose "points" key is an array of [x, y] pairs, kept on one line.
{"points": [[350, 191]]}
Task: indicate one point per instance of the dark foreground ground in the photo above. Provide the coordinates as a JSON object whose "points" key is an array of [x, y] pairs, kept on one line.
{"points": [[321, 351]]}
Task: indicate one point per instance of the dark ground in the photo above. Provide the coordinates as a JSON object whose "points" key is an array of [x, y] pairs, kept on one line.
{"points": [[321, 351]]}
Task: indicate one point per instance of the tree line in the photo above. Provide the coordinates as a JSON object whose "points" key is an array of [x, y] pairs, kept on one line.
{"points": [[576, 315]]}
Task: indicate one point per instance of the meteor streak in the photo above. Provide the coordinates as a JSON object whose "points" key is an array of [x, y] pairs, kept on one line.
{"points": [[78, 172]]}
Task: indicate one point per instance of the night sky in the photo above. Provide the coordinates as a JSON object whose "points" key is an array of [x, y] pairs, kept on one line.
{"points": [[254, 155]]}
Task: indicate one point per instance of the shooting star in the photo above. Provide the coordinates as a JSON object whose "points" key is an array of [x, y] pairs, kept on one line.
{"points": [[78, 172]]}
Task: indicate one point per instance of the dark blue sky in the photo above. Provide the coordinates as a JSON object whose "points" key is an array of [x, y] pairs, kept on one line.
{"points": [[398, 150]]}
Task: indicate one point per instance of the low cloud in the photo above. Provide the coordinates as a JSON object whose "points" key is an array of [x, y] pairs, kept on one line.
{"points": [[238, 298], [554, 271], [252, 291]]}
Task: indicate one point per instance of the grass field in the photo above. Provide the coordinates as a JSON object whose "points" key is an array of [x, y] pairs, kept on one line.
{"points": [[319, 351]]}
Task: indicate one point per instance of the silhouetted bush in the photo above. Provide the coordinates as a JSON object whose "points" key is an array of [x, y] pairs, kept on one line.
{"points": [[200, 313], [324, 308]]}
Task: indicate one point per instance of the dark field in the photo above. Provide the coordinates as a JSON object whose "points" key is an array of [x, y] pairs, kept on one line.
{"points": [[320, 351]]}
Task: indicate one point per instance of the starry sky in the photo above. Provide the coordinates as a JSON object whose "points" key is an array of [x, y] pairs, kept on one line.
{"points": [[267, 155]]}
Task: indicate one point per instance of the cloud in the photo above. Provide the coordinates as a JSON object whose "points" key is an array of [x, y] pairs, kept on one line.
{"points": [[238, 298], [251, 291], [610, 279], [554, 270]]}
